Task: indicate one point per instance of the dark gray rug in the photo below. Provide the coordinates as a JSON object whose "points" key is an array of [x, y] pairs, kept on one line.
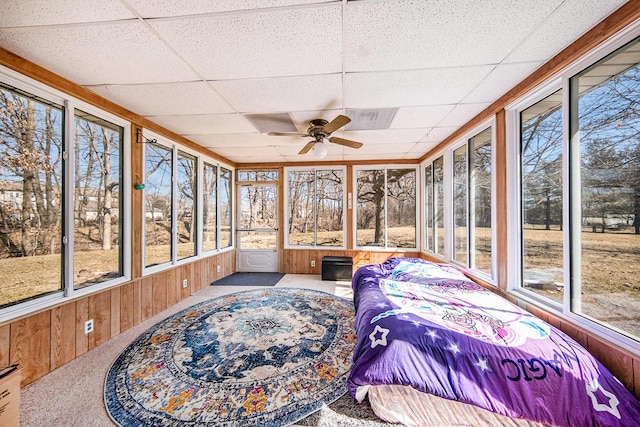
{"points": [[249, 279]]}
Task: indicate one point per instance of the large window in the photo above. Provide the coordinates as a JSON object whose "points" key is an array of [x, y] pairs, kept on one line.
{"points": [[315, 207], [579, 195], [386, 207], [158, 204], [30, 196], [465, 172], [480, 206], [186, 179], [226, 208], [209, 207], [174, 202], [438, 201], [97, 254], [61, 218], [460, 195], [428, 209], [541, 200], [605, 173]]}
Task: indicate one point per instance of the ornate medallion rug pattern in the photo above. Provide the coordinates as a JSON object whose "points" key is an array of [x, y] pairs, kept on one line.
{"points": [[265, 357]]}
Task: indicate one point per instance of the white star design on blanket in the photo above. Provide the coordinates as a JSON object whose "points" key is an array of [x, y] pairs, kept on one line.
{"points": [[482, 364], [611, 408], [379, 341], [453, 348]]}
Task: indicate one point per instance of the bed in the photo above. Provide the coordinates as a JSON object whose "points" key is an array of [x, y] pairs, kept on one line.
{"points": [[426, 332]]}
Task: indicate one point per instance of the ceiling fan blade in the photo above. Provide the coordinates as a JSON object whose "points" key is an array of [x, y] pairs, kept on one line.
{"points": [[335, 124], [345, 142], [307, 147], [287, 134]]}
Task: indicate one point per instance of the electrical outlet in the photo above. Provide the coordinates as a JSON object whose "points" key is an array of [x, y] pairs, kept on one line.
{"points": [[184, 283], [88, 326], [218, 269], [313, 263]]}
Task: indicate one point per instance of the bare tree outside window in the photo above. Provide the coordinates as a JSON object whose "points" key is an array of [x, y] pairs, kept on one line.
{"points": [[30, 196], [158, 204], [315, 207], [96, 201], [541, 197], [606, 119], [186, 180], [209, 206], [386, 209]]}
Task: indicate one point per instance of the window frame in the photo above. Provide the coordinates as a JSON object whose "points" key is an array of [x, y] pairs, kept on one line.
{"points": [[285, 198], [69, 106], [571, 205], [447, 154], [200, 159], [354, 209]]}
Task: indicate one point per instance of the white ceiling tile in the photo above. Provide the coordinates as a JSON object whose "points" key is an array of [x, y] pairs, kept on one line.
{"points": [[414, 34], [47, 12], [205, 123], [280, 42], [375, 137], [166, 98], [113, 53], [230, 140], [438, 134], [298, 93], [411, 88], [568, 22], [419, 117], [461, 114], [167, 8], [500, 80]]}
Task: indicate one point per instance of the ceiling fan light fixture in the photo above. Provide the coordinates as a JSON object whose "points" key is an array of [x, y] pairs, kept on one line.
{"points": [[320, 150]]}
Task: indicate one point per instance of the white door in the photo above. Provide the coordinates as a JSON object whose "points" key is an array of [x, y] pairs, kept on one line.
{"points": [[258, 228]]}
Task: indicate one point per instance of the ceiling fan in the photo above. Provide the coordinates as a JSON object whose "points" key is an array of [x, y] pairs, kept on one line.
{"points": [[319, 129]]}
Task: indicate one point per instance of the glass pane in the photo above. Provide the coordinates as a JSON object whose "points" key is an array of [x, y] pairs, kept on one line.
{"points": [[258, 207], [158, 204], [96, 201], [258, 240], [428, 207], [30, 197], [226, 209], [480, 202], [541, 193], [301, 187], [209, 205], [460, 204], [186, 180], [401, 208], [608, 123], [370, 218], [329, 208], [251, 175], [438, 202]]}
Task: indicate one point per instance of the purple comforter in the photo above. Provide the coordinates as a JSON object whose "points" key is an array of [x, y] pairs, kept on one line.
{"points": [[427, 326]]}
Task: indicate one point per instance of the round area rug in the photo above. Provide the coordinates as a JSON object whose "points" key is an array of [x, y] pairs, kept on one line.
{"points": [[265, 357]]}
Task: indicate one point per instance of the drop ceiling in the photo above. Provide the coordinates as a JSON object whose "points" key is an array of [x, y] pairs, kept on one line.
{"points": [[224, 73]]}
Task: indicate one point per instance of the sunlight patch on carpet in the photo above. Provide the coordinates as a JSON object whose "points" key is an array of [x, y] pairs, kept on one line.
{"points": [[265, 357]]}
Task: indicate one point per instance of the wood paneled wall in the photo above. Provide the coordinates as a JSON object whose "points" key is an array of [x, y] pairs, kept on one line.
{"points": [[44, 341], [298, 261]]}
